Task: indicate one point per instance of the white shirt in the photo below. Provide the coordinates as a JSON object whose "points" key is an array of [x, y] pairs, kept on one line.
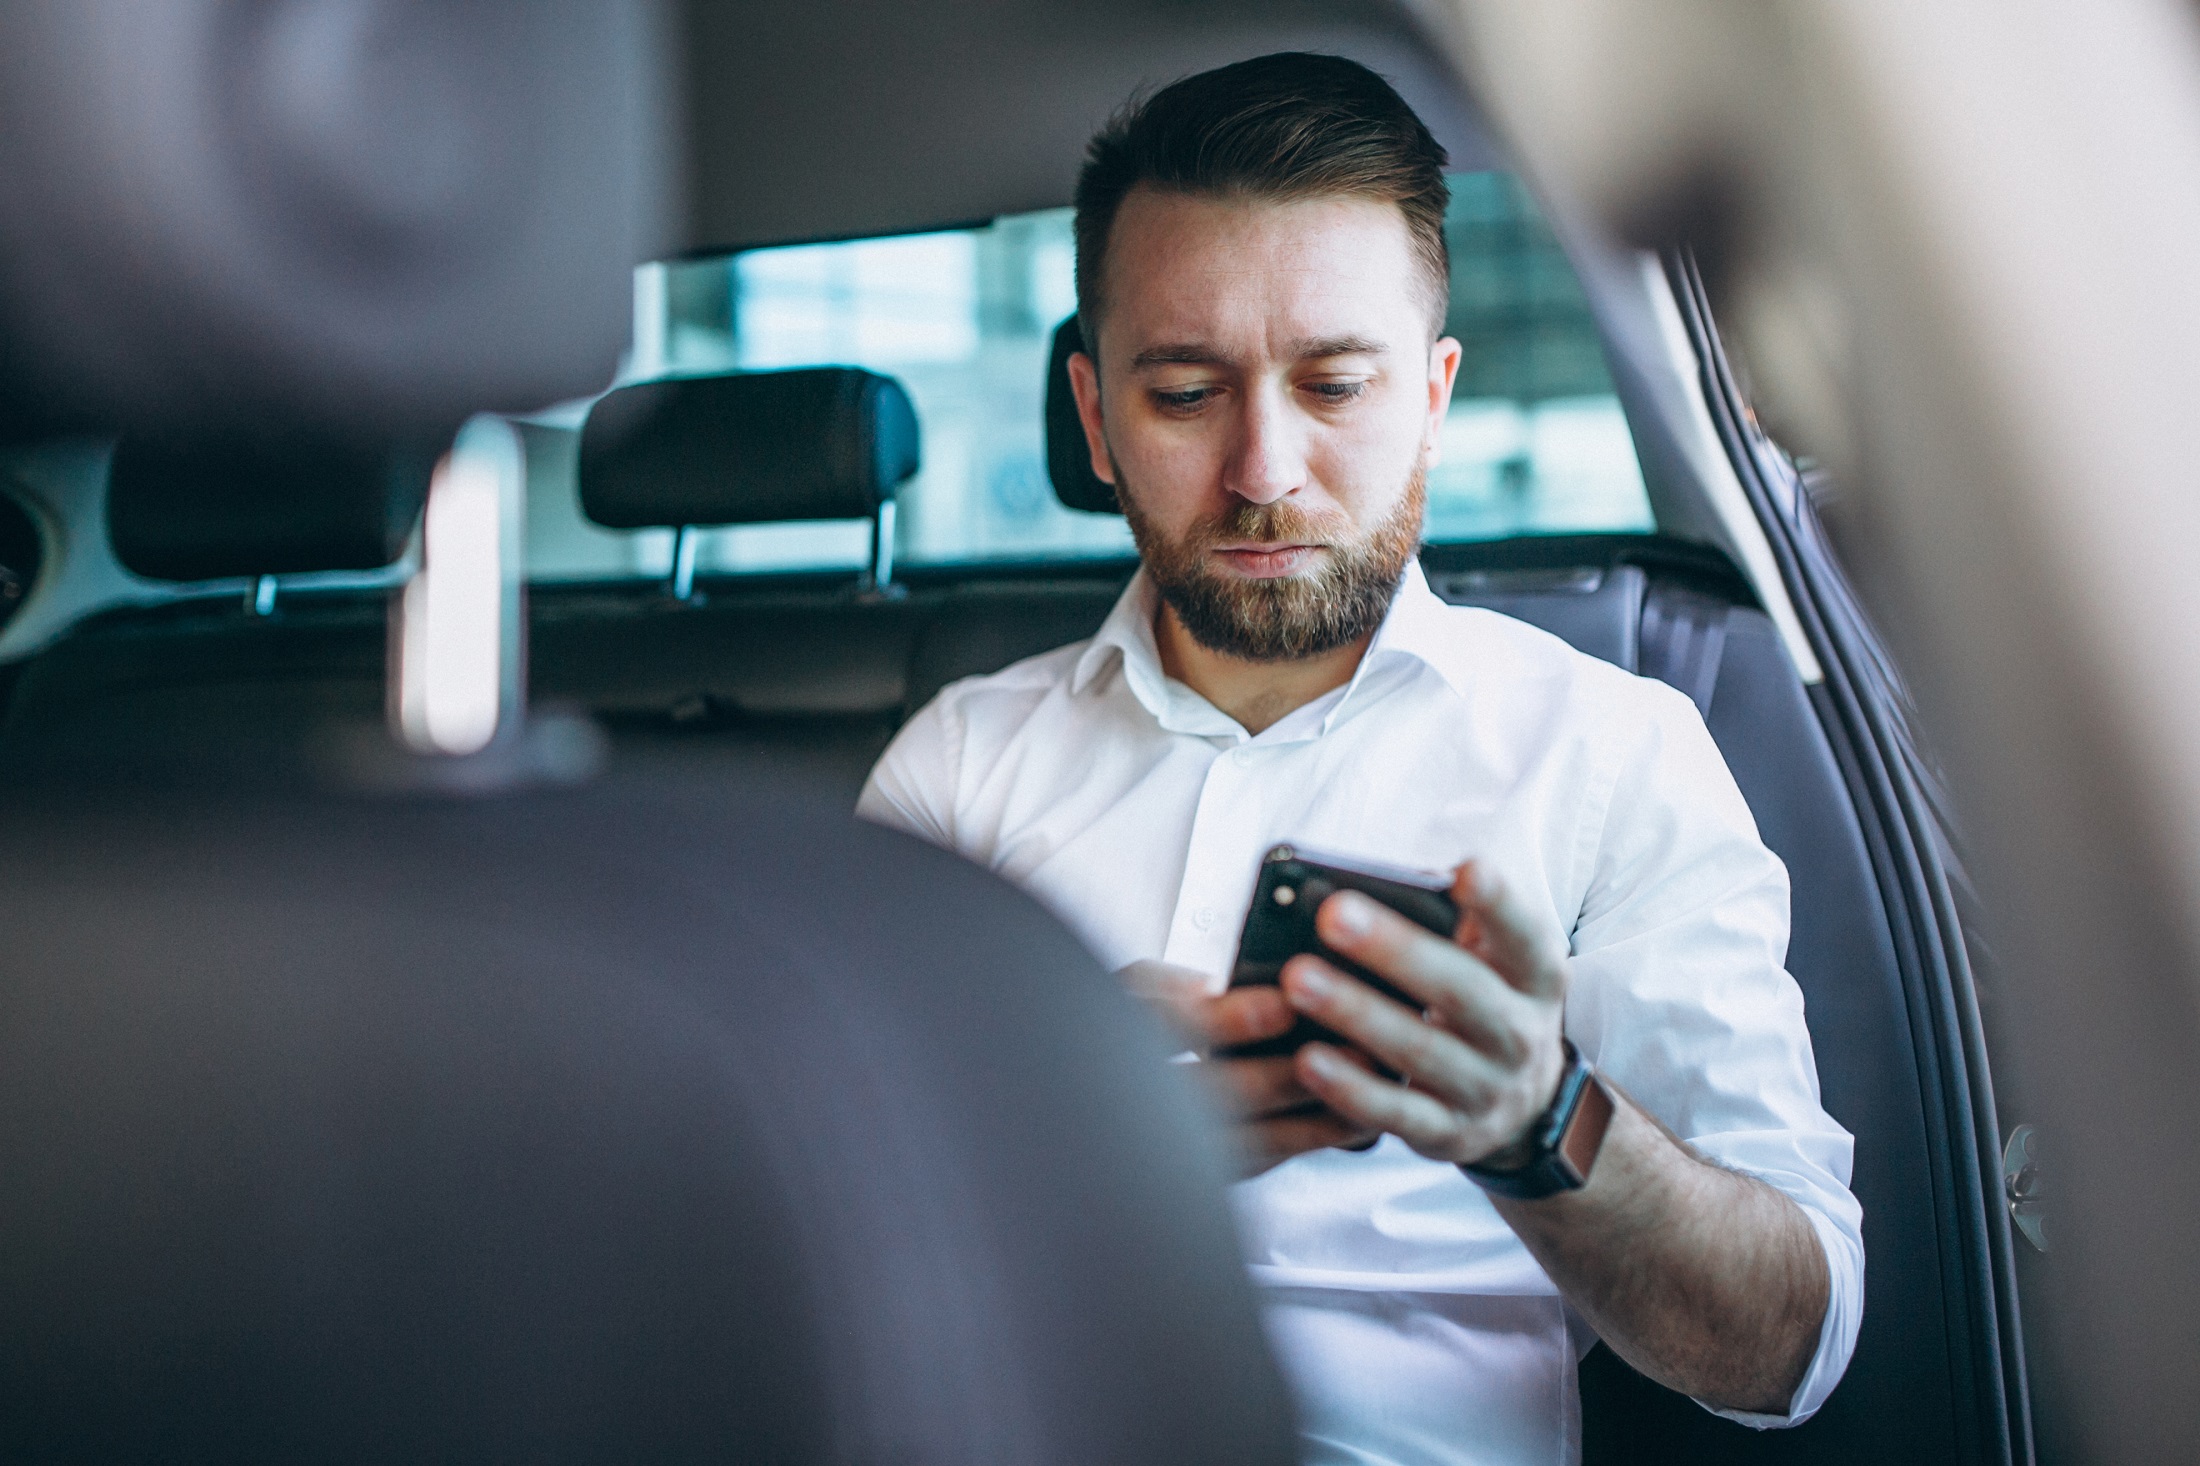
{"points": [[1413, 1324]]}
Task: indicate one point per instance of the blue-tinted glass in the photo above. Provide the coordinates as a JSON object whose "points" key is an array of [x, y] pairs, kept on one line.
{"points": [[1535, 442]]}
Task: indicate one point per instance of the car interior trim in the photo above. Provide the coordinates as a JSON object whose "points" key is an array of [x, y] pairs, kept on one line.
{"points": [[1721, 483]]}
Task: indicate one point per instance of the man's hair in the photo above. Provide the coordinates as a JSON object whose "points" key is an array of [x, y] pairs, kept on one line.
{"points": [[1281, 128]]}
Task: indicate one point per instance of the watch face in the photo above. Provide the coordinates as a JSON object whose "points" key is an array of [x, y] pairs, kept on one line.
{"points": [[1564, 1142], [1583, 1136]]}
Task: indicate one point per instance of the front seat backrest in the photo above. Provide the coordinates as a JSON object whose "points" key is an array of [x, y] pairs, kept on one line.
{"points": [[234, 680], [815, 671], [667, 1120]]}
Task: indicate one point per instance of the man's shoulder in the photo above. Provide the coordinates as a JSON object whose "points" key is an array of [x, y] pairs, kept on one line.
{"points": [[1481, 648], [965, 724], [1026, 682]]}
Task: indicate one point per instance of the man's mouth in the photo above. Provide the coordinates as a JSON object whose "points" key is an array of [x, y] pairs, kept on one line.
{"points": [[1257, 561]]}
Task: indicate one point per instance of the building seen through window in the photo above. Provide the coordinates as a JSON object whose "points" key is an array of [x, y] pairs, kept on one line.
{"points": [[1535, 441]]}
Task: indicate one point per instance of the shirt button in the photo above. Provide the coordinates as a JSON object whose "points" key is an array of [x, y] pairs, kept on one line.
{"points": [[1241, 756], [1204, 918]]}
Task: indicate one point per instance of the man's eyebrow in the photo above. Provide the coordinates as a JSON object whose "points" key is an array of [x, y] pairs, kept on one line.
{"points": [[1322, 346], [1179, 353], [1200, 353]]}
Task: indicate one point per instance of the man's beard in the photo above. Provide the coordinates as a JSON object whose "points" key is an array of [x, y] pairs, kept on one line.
{"points": [[1291, 617]]}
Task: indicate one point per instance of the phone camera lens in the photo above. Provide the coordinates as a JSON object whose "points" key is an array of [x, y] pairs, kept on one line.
{"points": [[1285, 895]]}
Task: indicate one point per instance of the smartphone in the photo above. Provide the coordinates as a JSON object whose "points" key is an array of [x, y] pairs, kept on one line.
{"points": [[1280, 925]]}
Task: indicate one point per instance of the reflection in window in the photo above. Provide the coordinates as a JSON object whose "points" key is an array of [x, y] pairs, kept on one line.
{"points": [[1535, 441]]}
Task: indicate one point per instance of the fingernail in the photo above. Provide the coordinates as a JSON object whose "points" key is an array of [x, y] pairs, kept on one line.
{"points": [[1309, 978], [1321, 1061], [1350, 913]]}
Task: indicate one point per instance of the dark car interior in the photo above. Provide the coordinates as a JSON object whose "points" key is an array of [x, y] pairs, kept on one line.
{"points": [[798, 678], [808, 676]]}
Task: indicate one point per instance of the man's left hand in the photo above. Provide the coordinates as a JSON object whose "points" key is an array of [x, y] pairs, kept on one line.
{"points": [[1481, 1061]]}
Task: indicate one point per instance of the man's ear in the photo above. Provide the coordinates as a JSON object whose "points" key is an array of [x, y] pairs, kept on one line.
{"points": [[1084, 380], [1443, 373]]}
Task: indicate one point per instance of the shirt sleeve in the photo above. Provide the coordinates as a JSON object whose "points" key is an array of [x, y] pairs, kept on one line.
{"points": [[1679, 991], [912, 786]]}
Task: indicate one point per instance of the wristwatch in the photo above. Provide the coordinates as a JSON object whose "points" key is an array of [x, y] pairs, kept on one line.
{"points": [[1562, 1143]]}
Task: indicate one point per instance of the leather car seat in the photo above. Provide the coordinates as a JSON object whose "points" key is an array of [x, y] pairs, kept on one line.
{"points": [[208, 684], [663, 1120]]}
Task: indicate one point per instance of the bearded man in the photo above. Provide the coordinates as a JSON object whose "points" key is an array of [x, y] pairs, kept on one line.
{"points": [[1603, 1119]]}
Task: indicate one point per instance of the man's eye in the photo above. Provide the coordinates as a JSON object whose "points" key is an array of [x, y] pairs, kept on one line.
{"points": [[1183, 399], [1336, 391]]}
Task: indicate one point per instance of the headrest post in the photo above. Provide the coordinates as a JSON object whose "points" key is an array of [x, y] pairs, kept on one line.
{"points": [[683, 562], [882, 546], [260, 601]]}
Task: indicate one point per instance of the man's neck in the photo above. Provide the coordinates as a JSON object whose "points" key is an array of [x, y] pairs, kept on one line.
{"points": [[1257, 694]]}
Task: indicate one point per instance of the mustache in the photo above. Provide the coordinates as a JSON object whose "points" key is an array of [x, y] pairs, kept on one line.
{"points": [[1272, 524]]}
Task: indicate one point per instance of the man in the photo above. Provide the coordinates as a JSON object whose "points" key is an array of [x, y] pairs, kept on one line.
{"points": [[1605, 1117]]}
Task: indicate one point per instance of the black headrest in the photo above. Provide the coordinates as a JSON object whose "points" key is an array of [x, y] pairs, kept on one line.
{"points": [[753, 448], [1069, 461], [211, 508]]}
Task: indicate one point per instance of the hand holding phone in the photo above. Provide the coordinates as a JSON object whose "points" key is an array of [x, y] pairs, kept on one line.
{"points": [[1280, 925]]}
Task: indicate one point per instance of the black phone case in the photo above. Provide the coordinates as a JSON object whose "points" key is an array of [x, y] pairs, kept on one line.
{"points": [[1280, 925]]}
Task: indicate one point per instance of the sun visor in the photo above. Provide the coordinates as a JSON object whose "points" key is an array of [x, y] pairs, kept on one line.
{"points": [[752, 448]]}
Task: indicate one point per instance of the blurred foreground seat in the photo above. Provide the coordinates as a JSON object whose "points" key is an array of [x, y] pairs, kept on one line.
{"points": [[651, 1122]]}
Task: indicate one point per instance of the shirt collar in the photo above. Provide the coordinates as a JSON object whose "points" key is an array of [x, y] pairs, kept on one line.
{"points": [[1414, 629], [1421, 625], [1127, 636]]}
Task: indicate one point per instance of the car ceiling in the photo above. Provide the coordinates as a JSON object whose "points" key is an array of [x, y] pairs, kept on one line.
{"points": [[877, 116]]}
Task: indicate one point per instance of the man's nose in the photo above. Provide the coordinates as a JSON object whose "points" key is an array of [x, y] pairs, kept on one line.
{"points": [[1269, 458]]}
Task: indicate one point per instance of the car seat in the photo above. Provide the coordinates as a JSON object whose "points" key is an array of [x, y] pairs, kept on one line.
{"points": [[1679, 612], [242, 674]]}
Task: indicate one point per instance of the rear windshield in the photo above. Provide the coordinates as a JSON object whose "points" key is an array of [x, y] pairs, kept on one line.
{"points": [[1535, 442]]}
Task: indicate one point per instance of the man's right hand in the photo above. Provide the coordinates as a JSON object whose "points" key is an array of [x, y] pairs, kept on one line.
{"points": [[1273, 1116]]}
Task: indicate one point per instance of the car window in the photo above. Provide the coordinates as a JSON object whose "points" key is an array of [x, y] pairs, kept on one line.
{"points": [[1535, 441]]}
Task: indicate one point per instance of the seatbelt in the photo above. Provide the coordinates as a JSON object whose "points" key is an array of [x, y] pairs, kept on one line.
{"points": [[1683, 637]]}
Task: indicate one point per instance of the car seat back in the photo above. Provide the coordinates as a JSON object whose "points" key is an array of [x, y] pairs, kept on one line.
{"points": [[1681, 614]]}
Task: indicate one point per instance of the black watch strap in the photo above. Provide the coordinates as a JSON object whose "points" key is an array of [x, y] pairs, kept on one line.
{"points": [[1562, 1144]]}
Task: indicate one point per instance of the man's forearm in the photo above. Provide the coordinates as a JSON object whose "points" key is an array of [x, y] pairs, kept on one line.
{"points": [[1708, 1281]]}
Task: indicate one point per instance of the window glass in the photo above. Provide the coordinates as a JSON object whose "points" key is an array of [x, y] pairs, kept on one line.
{"points": [[964, 319], [1535, 441]]}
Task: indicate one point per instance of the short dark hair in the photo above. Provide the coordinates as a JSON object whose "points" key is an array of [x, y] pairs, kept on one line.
{"points": [[1289, 126]]}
